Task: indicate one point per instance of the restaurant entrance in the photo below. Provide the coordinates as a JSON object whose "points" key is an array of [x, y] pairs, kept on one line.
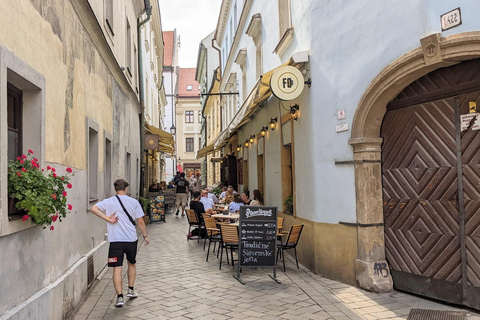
{"points": [[431, 185]]}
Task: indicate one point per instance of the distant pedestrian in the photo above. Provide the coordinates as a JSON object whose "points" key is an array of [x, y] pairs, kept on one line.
{"points": [[181, 191], [121, 211]]}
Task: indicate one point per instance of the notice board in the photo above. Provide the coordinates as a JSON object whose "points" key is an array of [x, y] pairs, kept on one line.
{"points": [[258, 236]]}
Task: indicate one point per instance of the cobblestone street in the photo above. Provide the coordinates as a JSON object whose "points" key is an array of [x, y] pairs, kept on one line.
{"points": [[175, 282]]}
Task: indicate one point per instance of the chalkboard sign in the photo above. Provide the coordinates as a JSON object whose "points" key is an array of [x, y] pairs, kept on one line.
{"points": [[258, 236]]}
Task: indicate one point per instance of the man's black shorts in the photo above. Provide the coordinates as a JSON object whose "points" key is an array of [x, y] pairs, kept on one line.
{"points": [[118, 249]]}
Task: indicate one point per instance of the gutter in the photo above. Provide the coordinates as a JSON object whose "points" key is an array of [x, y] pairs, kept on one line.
{"points": [[148, 11]]}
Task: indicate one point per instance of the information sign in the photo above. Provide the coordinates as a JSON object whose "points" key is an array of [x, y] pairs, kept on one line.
{"points": [[258, 238], [470, 120]]}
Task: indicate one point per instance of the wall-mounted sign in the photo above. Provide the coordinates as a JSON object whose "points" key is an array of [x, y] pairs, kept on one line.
{"points": [[287, 83], [151, 141], [451, 19], [341, 114], [470, 120], [341, 127]]}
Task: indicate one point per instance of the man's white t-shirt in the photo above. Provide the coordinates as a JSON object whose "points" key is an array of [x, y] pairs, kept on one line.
{"points": [[207, 203], [123, 230]]}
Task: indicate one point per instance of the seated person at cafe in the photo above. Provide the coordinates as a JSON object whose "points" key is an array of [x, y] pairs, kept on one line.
{"points": [[233, 190], [197, 206], [235, 204], [207, 202], [211, 195], [171, 185], [228, 196], [163, 185], [222, 195], [257, 198], [246, 198], [153, 188]]}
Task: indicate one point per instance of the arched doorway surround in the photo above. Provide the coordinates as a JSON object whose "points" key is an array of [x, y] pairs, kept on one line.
{"points": [[435, 52]]}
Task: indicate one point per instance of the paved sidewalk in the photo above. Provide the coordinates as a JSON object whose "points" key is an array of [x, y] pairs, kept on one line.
{"points": [[175, 282]]}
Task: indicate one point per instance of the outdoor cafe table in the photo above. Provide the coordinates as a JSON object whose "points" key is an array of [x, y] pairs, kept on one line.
{"points": [[229, 216]]}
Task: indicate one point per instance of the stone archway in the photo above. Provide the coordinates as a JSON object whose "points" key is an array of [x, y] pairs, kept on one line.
{"points": [[435, 52]]}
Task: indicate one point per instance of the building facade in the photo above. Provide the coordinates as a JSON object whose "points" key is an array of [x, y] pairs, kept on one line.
{"points": [[170, 79], [75, 66], [207, 73], [189, 120], [371, 149]]}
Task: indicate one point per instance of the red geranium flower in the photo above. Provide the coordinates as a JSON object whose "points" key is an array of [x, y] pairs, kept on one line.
{"points": [[24, 156], [18, 158], [53, 169], [43, 170], [22, 162], [64, 193], [24, 170], [70, 207], [54, 196], [69, 186], [48, 167], [52, 227], [54, 175], [25, 217], [62, 178], [55, 217], [69, 170], [30, 151], [19, 174]]}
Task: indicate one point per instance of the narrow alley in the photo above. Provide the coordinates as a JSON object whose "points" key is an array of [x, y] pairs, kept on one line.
{"points": [[175, 282]]}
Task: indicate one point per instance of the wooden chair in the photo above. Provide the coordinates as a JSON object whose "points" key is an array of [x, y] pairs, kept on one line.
{"points": [[280, 225], [193, 221], [213, 234], [229, 236], [290, 242]]}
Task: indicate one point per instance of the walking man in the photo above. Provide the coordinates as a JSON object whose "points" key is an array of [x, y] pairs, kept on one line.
{"points": [[121, 211], [181, 191]]}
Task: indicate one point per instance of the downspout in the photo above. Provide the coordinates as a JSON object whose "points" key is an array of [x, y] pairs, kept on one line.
{"points": [[220, 76], [148, 11]]}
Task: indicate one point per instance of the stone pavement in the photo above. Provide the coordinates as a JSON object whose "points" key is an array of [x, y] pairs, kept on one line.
{"points": [[175, 282]]}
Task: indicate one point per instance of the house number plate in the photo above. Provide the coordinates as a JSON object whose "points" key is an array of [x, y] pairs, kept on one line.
{"points": [[451, 19]]}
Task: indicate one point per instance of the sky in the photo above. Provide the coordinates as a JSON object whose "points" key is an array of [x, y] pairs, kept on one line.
{"points": [[194, 20]]}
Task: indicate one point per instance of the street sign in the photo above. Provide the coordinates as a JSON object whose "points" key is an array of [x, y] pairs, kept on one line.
{"points": [[258, 238], [287, 83]]}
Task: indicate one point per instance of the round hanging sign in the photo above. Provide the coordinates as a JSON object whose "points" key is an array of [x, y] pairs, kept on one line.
{"points": [[287, 83]]}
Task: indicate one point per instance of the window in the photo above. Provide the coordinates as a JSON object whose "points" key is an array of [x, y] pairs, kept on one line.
{"points": [[108, 167], [14, 116], [199, 116], [128, 52], [189, 116], [128, 171], [189, 88], [189, 144], [92, 160], [284, 16], [199, 88], [109, 15]]}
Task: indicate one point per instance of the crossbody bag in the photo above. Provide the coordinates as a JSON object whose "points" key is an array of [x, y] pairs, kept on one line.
{"points": [[125, 210]]}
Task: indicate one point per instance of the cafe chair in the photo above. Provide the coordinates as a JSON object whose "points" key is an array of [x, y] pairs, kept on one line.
{"points": [[290, 242], [213, 234], [280, 225], [229, 239], [193, 221]]}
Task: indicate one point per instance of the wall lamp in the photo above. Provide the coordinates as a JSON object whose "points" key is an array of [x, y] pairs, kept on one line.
{"points": [[293, 111], [272, 123], [263, 132], [246, 143], [252, 138], [239, 147]]}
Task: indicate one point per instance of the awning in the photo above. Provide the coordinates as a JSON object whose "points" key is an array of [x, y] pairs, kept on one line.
{"points": [[165, 139], [204, 151], [259, 93]]}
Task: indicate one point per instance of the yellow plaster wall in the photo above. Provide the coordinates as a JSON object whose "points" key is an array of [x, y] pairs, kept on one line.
{"points": [[328, 249], [25, 32]]}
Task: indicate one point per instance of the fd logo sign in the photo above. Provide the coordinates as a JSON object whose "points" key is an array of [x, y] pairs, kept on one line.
{"points": [[287, 83]]}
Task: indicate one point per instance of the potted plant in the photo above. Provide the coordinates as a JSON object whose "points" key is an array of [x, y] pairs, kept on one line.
{"points": [[217, 191], [289, 204], [145, 203], [40, 193]]}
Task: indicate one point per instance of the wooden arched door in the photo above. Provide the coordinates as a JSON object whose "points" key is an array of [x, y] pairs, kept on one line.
{"points": [[431, 186]]}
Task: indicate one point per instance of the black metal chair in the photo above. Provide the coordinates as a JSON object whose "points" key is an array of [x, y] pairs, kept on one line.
{"points": [[194, 221], [290, 242], [213, 234]]}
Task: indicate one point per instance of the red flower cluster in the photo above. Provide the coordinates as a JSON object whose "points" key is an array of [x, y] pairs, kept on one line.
{"points": [[70, 207], [69, 170], [55, 217], [54, 196], [64, 193], [52, 227], [25, 217], [69, 186]]}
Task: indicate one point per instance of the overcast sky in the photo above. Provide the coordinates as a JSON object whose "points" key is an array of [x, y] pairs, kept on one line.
{"points": [[194, 20]]}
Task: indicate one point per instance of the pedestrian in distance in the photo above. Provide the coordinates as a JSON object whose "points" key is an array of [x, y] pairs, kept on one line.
{"points": [[121, 212], [181, 191]]}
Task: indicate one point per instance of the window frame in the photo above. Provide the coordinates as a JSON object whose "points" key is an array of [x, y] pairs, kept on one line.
{"points": [[17, 94], [189, 144], [189, 116]]}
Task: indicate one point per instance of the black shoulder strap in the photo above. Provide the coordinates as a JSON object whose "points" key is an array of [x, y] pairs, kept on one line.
{"points": [[125, 210]]}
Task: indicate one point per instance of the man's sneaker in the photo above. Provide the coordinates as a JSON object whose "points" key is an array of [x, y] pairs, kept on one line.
{"points": [[132, 294], [176, 213], [119, 302]]}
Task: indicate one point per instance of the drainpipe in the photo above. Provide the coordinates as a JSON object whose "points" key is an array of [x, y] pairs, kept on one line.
{"points": [[148, 11]]}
